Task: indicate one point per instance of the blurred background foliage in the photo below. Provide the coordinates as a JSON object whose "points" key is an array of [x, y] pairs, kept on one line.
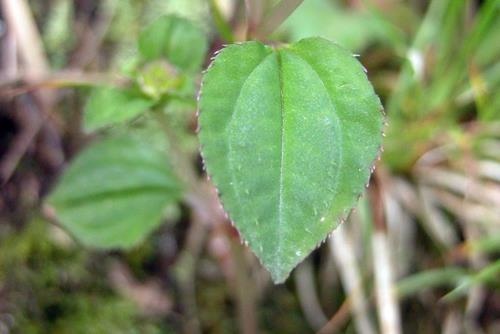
{"points": [[435, 65]]}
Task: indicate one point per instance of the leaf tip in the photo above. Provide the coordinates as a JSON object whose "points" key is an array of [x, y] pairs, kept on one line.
{"points": [[279, 276]]}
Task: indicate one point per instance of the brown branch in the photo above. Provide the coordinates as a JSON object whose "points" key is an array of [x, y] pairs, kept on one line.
{"points": [[93, 33], [377, 202], [21, 24], [338, 320], [253, 10], [18, 85]]}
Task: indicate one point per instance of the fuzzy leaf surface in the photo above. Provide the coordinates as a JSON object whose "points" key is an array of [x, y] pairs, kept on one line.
{"points": [[114, 193], [289, 137]]}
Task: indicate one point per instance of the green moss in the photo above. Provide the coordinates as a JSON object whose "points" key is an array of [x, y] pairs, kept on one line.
{"points": [[52, 286]]}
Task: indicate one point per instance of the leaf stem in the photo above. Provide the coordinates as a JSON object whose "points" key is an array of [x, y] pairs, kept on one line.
{"points": [[222, 26], [278, 15], [180, 161], [253, 16]]}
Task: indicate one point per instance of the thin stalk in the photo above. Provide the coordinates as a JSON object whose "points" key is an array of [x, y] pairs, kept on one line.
{"points": [[338, 320], [222, 26], [448, 276], [245, 296], [26, 38], [185, 272], [253, 10], [180, 161], [17, 85], [452, 322], [206, 211], [20, 19], [278, 15], [387, 303], [343, 251], [186, 265], [308, 296]]}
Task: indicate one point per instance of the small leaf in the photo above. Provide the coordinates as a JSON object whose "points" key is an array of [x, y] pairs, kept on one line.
{"points": [[289, 137], [178, 40], [115, 192], [108, 106]]}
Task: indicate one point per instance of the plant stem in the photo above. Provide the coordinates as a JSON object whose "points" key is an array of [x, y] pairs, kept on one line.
{"points": [[26, 37], [343, 251], [185, 272], [245, 290], [224, 29], [308, 297], [180, 161], [278, 15], [334, 325], [20, 19], [205, 211], [253, 16], [387, 303], [429, 279], [18, 85]]}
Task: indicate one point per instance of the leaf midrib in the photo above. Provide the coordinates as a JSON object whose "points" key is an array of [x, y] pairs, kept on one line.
{"points": [[281, 205], [115, 194], [282, 153]]}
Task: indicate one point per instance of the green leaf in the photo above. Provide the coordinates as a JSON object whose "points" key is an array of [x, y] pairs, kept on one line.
{"points": [[289, 137], [178, 40], [115, 192], [108, 106]]}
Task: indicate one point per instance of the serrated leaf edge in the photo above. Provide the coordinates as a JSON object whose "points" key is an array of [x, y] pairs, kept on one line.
{"points": [[340, 220]]}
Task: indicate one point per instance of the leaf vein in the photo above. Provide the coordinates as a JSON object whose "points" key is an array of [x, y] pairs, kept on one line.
{"points": [[230, 127], [282, 156], [338, 125]]}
